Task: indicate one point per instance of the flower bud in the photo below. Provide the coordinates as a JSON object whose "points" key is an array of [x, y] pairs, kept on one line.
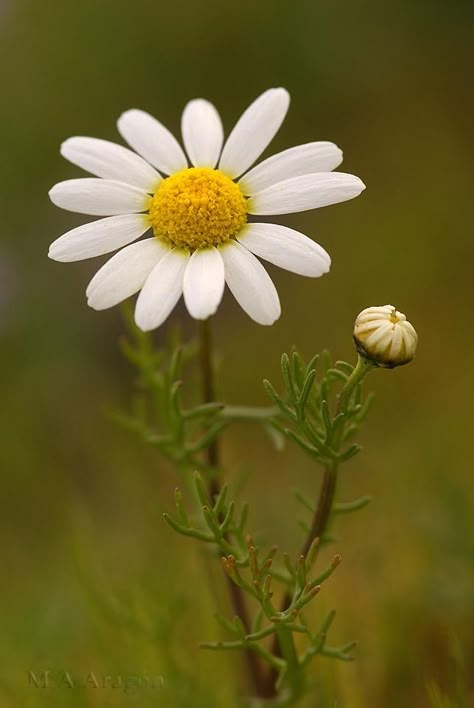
{"points": [[384, 336]]}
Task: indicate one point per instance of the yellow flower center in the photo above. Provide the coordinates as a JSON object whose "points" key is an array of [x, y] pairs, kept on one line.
{"points": [[396, 317], [197, 207]]}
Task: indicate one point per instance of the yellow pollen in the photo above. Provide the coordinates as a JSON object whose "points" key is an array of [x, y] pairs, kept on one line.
{"points": [[396, 316], [197, 207]]}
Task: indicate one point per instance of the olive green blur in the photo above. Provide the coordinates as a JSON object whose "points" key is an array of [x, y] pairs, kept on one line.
{"points": [[92, 579]]}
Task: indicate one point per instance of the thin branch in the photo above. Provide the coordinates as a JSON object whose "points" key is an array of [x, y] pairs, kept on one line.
{"points": [[254, 669]]}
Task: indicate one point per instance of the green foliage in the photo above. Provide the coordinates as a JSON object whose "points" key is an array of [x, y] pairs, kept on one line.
{"points": [[180, 430], [251, 569], [306, 406], [320, 414]]}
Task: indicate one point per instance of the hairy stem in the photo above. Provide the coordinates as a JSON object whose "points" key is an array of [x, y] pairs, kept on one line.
{"points": [[256, 678]]}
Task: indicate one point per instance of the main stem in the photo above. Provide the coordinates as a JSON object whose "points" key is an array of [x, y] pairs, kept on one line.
{"points": [[209, 396], [318, 527], [328, 489], [323, 511], [255, 675]]}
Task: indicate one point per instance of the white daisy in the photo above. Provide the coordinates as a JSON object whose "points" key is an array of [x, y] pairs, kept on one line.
{"points": [[201, 237]]}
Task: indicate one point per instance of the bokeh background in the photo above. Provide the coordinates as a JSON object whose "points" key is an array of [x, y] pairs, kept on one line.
{"points": [[81, 500]]}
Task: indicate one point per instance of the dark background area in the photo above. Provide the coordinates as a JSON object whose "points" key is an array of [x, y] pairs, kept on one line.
{"points": [[81, 500]]}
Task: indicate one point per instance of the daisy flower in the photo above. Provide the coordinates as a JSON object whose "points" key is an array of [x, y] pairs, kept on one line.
{"points": [[197, 207]]}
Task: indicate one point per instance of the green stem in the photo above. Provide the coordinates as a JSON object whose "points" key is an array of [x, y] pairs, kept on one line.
{"points": [[323, 511], [249, 413], [255, 675], [294, 675], [360, 370], [328, 488], [209, 396]]}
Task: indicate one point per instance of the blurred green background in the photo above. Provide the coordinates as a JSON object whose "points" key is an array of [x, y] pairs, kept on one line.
{"points": [[81, 500]]}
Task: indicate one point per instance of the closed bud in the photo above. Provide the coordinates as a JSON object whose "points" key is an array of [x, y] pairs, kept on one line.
{"points": [[384, 336]]}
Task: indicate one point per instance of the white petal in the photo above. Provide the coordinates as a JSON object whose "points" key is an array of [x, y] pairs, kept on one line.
{"points": [[202, 132], [286, 248], [98, 197], [162, 290], [152, 141], [124, 274], [397, 342], [99, 237], [110, 161], [250, 284], [381, 333], [254, 131], [203, 284], [300, 160], [305, 192]]}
